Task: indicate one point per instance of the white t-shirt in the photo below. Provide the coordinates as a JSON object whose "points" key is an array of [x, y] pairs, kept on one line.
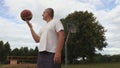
{"points": [[48, 36]]}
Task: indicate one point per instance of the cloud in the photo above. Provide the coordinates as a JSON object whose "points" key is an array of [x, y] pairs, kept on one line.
{"points": [[110, 20], [117, 1], [111, 51], [14, 33]]}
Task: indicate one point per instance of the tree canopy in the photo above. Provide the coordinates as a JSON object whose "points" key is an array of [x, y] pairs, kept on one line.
{"points": [[90, 35]]}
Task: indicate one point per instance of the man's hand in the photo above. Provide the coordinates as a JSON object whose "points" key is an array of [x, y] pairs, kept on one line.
{"points": [[57, 58]]}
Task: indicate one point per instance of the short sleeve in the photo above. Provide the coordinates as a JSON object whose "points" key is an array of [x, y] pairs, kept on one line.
{"points": [[58, 26]]}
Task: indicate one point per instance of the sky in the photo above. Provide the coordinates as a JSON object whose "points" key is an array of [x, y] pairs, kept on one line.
{"points": [[16, 32]]}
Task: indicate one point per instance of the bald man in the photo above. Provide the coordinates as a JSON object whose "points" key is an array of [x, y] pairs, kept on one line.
{"points": [[51, 40]]}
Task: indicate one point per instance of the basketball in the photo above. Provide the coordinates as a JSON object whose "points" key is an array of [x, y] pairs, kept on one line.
{"points": [[26, 15]]}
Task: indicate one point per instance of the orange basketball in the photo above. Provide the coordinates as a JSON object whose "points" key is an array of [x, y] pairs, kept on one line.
{"points": [[26, 15]]}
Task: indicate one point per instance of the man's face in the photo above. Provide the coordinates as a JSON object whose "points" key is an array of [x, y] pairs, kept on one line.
{"points": [[45, 15]]}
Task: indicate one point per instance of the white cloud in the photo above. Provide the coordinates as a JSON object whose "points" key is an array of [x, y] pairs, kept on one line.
{"points": [[111, 51], [117, 1], [113, 14], [97, 3], [110, 20], [16, 34]]}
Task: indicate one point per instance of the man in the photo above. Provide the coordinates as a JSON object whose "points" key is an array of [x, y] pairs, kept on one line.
{"points": [[51, 40]]}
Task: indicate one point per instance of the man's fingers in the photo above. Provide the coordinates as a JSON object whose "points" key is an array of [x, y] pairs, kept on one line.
{"points": [[57, 60]]}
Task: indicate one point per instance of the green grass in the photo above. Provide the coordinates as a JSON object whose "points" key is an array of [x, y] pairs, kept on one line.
{"points": [[98, 65]]}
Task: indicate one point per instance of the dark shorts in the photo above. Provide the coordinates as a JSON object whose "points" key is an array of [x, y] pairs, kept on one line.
{"points": [[45, 60]]}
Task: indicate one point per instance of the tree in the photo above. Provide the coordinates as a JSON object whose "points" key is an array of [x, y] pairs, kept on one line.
{"points": [[35, 53], [23, 51], [1, 51], [89, 36], [4, 51], [15, 52]]}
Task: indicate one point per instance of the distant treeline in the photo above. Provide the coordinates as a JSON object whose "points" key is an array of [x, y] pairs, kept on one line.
{"points": [[5, 51]]}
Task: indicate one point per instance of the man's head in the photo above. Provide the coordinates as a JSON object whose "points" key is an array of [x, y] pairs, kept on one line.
{"points": [[48, 13]]}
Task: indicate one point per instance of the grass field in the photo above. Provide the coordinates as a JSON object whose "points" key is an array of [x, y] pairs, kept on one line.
{"points": [[100, 65]]}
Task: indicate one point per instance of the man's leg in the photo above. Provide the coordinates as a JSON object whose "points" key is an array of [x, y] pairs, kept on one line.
{"points": [[45, 60]]}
